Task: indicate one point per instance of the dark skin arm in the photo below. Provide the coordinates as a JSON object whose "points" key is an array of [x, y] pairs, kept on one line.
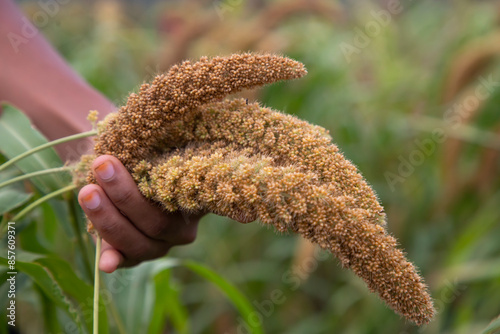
{"points": [[35, 78]]}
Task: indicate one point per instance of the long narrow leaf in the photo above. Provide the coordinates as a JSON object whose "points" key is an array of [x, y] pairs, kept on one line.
{"points": [[18, 136], [49, 310], [56, 278], [13, 195], [11, 199], [50, 287], [239, 300], [493, 327], [167, 304], [75, 288]]}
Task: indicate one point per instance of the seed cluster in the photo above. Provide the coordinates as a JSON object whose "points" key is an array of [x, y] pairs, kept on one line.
{"points": [[138, 129], [248, 162]]}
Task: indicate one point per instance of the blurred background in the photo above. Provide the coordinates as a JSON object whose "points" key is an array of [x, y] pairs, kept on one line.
{"points": [[409, 91]]}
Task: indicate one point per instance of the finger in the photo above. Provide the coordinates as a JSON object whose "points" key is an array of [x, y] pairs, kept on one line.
{"points": [[111, 258], [120, 187], [115, 228]]}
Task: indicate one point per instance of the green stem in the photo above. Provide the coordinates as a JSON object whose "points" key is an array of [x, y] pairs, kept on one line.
{"points": [[47, 145], [39, 201], [30, 175], [96, 284], [85, 250]]}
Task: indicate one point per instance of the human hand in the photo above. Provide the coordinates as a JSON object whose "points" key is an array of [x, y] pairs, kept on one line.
{"points": [[133, 230]]}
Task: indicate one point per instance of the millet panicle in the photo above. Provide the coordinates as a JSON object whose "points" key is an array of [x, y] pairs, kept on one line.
{"points": [[190, 150]]}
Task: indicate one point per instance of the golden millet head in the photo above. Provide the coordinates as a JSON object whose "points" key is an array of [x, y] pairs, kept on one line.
{"points": [[137, 130], [190, 151], [247, 162]]}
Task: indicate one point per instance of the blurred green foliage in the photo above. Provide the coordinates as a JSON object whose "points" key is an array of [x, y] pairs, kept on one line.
{"points": [[381, 104]]}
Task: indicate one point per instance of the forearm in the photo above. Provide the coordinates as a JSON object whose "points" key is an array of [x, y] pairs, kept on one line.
{"points": [[37, 80]]}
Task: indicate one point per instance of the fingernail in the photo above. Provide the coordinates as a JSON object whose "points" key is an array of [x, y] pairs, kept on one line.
{"points": [[105, 170], [92, 200]]}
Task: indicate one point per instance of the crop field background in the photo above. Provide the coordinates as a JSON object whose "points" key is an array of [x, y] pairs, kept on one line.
{"points": [[410, 92]]}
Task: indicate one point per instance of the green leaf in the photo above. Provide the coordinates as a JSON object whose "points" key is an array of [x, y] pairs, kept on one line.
{"points": [[49, 310], [132, 295], [493, 327], [167, 303], [11, 196], [11, 199], [76, 288], [18, 136], [239, 300], [28, 240], [48, 285], [57, 280], [481, 224]]}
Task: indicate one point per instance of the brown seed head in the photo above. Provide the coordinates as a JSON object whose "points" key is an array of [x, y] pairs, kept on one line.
{"points": [[248, 162], [138, 129]]}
